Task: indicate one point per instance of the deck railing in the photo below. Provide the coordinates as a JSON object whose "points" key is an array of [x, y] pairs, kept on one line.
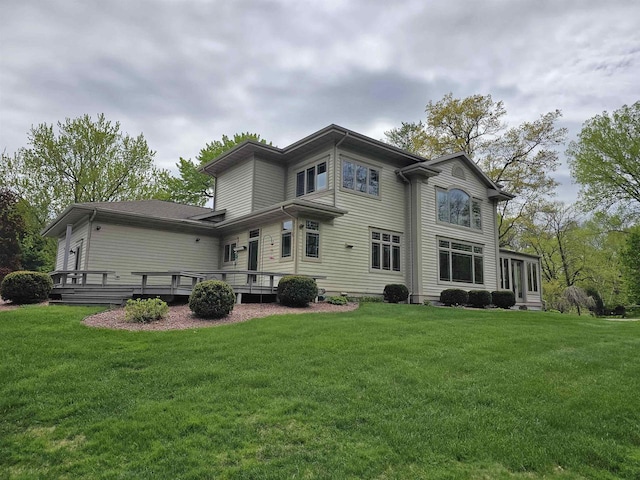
{"points": [[62, 277]]}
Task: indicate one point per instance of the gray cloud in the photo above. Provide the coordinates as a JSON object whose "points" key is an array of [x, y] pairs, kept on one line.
{"points": [[186, 72]]}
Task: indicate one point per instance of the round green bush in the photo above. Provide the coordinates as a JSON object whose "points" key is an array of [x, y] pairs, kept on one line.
{"points": [[454, 296], [479, 298], [297, 291], [212, 299], [503, 298], [26, 287], [337, 300], [395, 293]]}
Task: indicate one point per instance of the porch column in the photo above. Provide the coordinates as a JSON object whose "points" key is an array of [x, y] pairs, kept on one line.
{"points": [[67, 246]]}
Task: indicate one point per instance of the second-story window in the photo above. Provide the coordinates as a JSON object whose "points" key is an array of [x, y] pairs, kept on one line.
{"points": [[458, 208], [311, 179], [360, 178]]}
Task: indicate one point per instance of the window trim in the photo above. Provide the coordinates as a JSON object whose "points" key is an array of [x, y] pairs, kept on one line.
{"points": [[369, 166], [472, 252], [472, 201], [392, 244]]}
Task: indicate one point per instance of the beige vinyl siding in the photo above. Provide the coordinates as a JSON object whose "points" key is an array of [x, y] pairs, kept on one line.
{"points": [[234, 190], [78, 234], [268, 184], [348, 269], [125, 249], [432, 230], [269, 248], [323, 196]]}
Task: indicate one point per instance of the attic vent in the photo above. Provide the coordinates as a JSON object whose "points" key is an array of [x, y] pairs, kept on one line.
{"points": [[458, 172]]}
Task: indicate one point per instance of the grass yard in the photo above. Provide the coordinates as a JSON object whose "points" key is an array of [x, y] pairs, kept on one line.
{"points": [[386, 391]]}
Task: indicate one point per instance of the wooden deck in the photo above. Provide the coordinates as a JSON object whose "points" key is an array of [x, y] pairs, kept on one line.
{"points": [[76, 286]]}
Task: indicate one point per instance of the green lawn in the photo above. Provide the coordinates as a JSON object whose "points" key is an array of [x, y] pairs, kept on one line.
{"points": [[387, 391]]}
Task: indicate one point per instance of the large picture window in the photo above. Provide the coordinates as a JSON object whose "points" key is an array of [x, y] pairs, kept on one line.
{"points": [[311, 179], [461, 262], [360, 178], [312, 239], [385, 251], [458, 208]]}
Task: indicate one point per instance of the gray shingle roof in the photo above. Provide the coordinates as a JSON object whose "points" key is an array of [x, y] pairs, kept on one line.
{"points": [[150, 208]]}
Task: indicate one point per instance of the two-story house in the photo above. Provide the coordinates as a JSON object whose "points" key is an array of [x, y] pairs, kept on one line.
{"points": [[353, 211]]}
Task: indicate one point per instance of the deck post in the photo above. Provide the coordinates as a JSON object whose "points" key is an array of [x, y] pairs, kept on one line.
{"points": [[238, 298]]}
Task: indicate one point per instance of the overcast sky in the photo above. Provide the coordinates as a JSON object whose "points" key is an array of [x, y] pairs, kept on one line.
{"points": [[184, 73]]}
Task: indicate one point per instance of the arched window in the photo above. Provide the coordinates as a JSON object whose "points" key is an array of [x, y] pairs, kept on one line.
{"points": [[458, 208]]}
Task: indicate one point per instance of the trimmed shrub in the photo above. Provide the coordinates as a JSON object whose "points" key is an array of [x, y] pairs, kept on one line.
{"points": [[145, 311], [212, 299], [26, 287], [297, 291], [479, 298], [454, 296], [395, 293], [337, 300], [503, 298]]}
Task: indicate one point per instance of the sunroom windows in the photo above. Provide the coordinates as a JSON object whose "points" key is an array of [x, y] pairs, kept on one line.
{"points": [[460, 261], [456, 207], [385, 251], [311, 179]]}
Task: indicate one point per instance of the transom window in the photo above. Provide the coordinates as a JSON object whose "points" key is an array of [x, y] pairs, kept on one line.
{"points": [[312, 239], [230, 253], [287, 229], [461, 262], [458, 208], [360, 178], [311, 179], [385, 250]]}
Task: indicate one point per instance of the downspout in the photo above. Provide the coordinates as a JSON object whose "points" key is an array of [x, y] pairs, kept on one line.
{"points": [[86, 253], [335, 168], [294, 238], [409, 235]]}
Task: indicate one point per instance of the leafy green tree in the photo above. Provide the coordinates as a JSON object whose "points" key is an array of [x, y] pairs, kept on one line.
{"points": [[84, 161], [519, 158], [631, 262], [11, 230], [605, 160], [193, 187]]}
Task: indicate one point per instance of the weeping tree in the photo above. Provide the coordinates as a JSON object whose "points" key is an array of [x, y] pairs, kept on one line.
{"points": [[577, 297]]}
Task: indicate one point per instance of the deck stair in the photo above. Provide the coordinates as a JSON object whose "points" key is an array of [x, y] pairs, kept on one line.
{"points": [[93, 295]]}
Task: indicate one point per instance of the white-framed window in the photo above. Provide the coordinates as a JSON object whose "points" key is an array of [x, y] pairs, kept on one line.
{"points": [[385, 251], [457, 207], [360, 178], [312, 239], [460, 261], [230, 254], [532, 277], [311, 179], [286, 239]]}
